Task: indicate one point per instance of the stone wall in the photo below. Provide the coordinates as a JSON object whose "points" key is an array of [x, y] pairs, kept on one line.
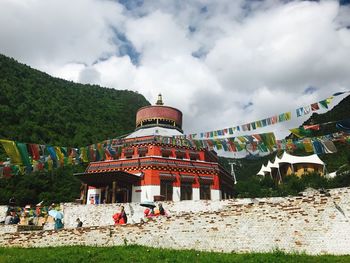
{"points": [[101, 215], [3, 210], [7, 229], [313, 223]]}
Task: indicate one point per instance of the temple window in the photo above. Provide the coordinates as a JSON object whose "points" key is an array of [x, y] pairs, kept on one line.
{"points": [[128, 152], [166, 190], [166, 152], [180, 154], [142, 151], [166, 185], [194, 156], [204, 192], [186, 191]]}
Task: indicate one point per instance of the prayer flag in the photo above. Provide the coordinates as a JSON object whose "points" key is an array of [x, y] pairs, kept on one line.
{"points": [[300, 111], [83, 154], [34, 151], [315, 107], [339, 93], [312, 127], [59, 154], [307, 109], [328, 146], [323, 103], [269, 140], [287, 116], [273, 119], [22, 148], [300, 132], [11, 150], [318, 147], [281, 117]]}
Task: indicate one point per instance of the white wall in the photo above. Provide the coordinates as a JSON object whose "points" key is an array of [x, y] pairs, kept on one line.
{"points": [[195, 194], [136, 194], [215, 195], [148, 191], [176, 194]]}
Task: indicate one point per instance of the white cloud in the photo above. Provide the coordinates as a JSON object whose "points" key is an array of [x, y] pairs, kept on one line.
{"points": [[58, 32], [258, 53]]}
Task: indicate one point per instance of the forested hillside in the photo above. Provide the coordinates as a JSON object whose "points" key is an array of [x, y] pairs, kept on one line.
{"points": [[37, 108]]}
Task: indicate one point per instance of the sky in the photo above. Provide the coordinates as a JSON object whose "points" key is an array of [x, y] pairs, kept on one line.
{"points": [[222, 63]]}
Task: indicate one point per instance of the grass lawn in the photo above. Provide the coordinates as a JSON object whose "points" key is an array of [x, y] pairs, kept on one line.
{"points": [[133, 253]]}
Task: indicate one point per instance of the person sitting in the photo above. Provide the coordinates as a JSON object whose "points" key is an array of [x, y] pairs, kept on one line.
{"points": [[8, 218], [58, 224], [161, 210], [148, 213], [121, 217], [15, 218], [79, 223]]}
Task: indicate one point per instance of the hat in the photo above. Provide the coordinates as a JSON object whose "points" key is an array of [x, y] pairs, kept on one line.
{"points": [[39, 204], [27, 207]]}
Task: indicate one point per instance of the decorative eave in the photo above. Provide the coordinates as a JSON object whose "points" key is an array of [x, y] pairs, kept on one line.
{"points": [[152, 163]]}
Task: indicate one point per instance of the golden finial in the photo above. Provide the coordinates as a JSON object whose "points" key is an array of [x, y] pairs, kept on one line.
{"points": [[160, 100]]}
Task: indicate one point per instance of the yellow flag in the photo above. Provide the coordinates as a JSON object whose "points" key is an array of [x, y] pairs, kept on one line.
{"points": [[12, 151], [83, 155], [50, 164], [308, 146], [329, 100], [59, 154], [288, 116]]}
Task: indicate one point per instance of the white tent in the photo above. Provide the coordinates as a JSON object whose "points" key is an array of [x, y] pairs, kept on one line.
{"points": [[263, 170], [273, 164], [291, 159], [287, 158]]}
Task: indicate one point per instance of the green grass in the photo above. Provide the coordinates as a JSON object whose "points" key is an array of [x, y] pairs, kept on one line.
{"points": [[133, 253]]}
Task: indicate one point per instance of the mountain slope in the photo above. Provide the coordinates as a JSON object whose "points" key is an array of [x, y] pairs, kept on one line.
{"points": [[35, 107]]}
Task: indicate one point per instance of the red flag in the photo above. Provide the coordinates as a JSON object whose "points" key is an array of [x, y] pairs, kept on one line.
{"points": [[315, 107], [315, 127], [34, 151]]}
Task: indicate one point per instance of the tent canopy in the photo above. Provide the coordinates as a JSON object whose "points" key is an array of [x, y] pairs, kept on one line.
{"points": [[291, 159], [287, 158]]}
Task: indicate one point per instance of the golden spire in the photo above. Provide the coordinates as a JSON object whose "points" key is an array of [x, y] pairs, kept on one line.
{"points": [[160, 100]]}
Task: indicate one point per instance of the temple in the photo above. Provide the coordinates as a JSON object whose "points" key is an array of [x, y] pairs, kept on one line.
{"points": [[152, 164]]}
